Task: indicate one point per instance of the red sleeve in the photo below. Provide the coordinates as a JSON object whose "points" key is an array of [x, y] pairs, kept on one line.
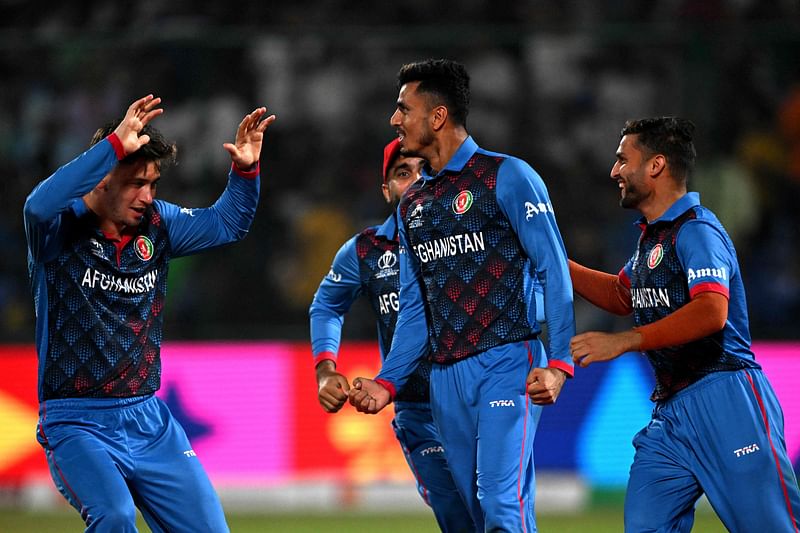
{"points": [[606, 291], [117, 144]]}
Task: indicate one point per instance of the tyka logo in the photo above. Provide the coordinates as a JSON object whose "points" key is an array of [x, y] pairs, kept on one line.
{"points": [[387, 260], [432, 449], [746, 450], [502, 403]]}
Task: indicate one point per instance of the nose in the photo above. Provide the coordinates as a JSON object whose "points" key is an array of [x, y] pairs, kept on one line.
{"points": [[394, 120], [146, 195], [615, 171]]}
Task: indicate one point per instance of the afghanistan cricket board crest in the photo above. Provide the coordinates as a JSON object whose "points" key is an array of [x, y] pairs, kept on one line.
{"points": [[144, 248], [655, 257], [462, 202]]}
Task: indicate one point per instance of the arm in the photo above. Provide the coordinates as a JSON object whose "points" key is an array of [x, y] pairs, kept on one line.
{"points": [[337, 292], [409, 343], [55, 195], [229, 219], [606, 291], [523, 198], [699, 245]]}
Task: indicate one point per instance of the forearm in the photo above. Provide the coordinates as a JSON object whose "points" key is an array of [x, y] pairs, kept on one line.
{"points": [[70, 182], [236, 207], [601, 289], [703, 316]]}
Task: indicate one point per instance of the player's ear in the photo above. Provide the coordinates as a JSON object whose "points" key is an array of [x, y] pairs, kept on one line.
{"points": [[385, 191], [657, 164], [438, 117], [103, 185]]}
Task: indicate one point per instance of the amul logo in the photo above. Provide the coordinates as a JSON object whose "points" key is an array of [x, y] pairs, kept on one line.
{"points": [[502, 403]]}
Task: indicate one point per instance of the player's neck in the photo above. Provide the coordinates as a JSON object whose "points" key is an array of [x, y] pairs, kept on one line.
{"points": [[447, 144]]}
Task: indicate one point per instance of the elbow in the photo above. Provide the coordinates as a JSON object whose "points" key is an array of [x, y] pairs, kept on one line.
{"points": [[33, 212]]}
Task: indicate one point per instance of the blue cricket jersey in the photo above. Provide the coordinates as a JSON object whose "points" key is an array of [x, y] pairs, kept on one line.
{"points": [[684, 252], [99, 302], [367, 264], [474, 240]]}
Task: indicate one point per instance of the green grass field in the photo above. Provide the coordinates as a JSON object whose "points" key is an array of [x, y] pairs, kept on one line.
{"points": [[599, 520]]}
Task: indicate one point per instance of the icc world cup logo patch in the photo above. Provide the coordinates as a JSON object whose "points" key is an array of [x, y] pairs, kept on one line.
{"points": [[462, 202], [143, 247], [655, 257]]}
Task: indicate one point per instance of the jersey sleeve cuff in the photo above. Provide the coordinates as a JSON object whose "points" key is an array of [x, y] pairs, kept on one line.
{"points": [[117, 145], [388, 385], [251, 174], [623, 277], [709, 287], [563, 366], [324, 356]]}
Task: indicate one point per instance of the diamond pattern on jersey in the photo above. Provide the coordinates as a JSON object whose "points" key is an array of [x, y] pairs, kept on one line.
{"points": [[675, 367], [472, 264], [379, 265], [104, 318]]}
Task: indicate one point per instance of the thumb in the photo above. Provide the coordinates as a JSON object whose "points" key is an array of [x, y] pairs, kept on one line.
{"points": [[143, 139], [231, 149], [533, 376], [345, 385], [357, 383]]}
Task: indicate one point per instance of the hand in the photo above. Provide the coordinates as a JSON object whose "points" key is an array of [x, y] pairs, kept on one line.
{"points": [[544, 385], [246, 149], [594, 346], [332, 387], [136, 118], [368, 396]]}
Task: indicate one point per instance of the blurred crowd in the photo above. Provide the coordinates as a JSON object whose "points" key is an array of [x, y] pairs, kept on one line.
{"points": [[552, 83]]}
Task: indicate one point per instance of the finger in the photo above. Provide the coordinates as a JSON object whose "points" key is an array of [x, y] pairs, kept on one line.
{"points": [[357, 383], [139, 104], [151, 115], [264, 124]]}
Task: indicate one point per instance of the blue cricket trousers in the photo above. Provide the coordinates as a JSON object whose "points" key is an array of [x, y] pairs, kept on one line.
{"points": [[108, 456], [487, 425], [723, 436], [414, 428]]}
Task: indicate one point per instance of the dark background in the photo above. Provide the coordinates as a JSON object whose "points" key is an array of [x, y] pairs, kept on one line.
{"points": [[552, 83]]}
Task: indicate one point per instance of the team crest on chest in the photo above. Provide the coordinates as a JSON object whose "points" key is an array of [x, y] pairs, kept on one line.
{"points": [[462, 202], [655, 257], [144, 248]]}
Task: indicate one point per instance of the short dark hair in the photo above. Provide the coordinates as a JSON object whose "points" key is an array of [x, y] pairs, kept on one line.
{"points": [[445, 80], [670, 136], [159, 150]]}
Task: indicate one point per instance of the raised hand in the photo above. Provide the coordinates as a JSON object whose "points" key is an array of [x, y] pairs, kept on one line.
{"points": [[368, 396], [136, 118], [246, 149]]}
